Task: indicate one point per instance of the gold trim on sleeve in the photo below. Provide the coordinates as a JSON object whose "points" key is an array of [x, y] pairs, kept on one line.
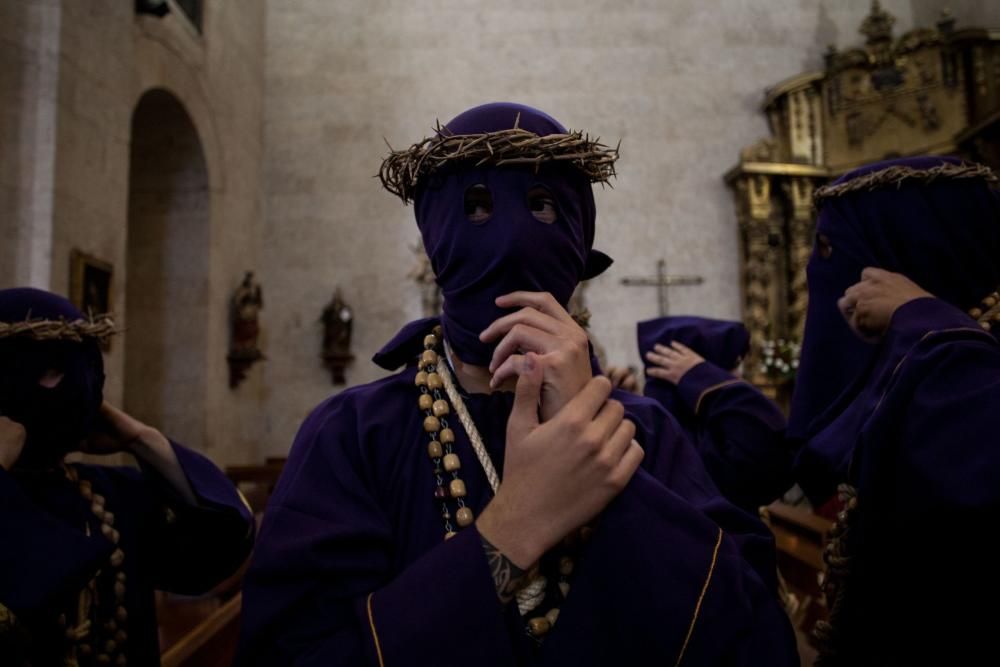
{"points": [[371, 623], [701, 598], [714, 387]]}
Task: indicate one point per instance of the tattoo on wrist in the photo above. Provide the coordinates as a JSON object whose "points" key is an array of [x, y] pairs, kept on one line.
{"points": [[507, 577]]}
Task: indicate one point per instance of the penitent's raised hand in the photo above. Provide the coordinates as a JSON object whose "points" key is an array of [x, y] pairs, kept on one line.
{"points": [[541, 326], [672, 363], [868, 306], [558, 474]]}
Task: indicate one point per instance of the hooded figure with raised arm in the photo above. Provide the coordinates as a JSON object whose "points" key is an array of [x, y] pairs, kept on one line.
{"points": [[898, 387]]}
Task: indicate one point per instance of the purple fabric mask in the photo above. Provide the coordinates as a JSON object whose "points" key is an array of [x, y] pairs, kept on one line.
{"points": [[945, 236], [720, 342], [475, 262], [57, 418]]}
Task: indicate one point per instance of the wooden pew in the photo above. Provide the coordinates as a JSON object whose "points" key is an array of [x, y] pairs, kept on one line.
{"points": [[211, 643], [203, 631], [800, 537], [256, 482]]}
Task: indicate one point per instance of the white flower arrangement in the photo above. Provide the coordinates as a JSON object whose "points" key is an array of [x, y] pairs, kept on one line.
{"points": [[779, 359]]}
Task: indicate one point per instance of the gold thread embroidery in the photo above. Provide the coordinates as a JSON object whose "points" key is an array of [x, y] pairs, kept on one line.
{"points": [[701, 598], [371, 622], [714, 387]]}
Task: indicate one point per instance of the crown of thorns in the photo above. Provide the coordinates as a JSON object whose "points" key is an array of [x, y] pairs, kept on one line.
{"points": [[899, 175], [402, 170], [98, 328]]}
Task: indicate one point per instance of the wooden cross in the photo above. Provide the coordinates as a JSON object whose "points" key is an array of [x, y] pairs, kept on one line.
{"points": [[662, 282]]}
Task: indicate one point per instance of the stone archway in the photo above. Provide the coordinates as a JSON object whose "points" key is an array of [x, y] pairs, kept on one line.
{"points": [[167, 270]]}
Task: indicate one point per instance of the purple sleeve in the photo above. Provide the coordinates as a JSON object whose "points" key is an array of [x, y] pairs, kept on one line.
{"points": [[697, 574], [929, 447], [740, 434], [916, 318], [702, 380], [675, 586], [941, 400], [194, 547], [450, 584], [325, 588], [40, 557]]}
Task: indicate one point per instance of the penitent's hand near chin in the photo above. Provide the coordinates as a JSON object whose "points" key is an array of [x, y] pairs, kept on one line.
{"points": [[543, 327]]}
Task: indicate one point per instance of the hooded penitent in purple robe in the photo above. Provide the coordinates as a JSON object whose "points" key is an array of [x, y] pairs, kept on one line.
{"points": [[739, 432], [352, 567], [907, 423], [55, 558]]}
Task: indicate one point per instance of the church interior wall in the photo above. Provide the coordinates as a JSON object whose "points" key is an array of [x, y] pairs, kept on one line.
{"points": [[291, 101], [105, 59], [29, 64]]}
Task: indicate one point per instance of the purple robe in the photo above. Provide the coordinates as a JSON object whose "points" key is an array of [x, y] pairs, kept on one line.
{"points": [[739, 432], [47, 559], [928, 477], [351, 567], [908, 422]]}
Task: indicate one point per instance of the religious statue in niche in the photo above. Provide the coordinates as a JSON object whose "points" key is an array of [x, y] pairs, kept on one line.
{"points": [[244, 311], [338, 323], [423, 275]]}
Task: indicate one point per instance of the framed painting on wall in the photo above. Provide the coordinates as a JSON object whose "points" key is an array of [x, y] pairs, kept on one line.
{"points": [[90, 281]]}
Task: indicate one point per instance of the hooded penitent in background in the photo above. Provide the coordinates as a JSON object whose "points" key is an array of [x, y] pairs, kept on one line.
{"points": [[738, 431], [56, 418], [84, 546], [369, 555], [908, 425]]}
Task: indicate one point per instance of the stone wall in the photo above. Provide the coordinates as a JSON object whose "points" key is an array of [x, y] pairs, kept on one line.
{"points": [[80, 68], [29, 68], [680, 83]]}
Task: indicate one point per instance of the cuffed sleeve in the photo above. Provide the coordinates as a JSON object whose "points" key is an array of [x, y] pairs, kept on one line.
{"points": [[194, 547], [702, 380], [453, 582]]}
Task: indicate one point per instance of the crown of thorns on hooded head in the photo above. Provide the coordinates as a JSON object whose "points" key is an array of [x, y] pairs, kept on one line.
{"points": [[42, 316], [402, 171]]}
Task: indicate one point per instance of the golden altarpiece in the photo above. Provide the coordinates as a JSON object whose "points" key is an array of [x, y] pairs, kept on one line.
{"points": [[931, 90]]}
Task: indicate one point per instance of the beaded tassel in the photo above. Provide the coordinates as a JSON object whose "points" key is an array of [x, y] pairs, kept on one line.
{"points": [[987, 313], [435, 408], [112, 650]]}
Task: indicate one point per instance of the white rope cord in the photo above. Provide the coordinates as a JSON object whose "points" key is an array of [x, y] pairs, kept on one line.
{"points": [[532, 595], [470, 428]]}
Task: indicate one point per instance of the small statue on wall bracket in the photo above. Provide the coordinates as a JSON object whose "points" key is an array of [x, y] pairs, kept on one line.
{"points": [[244, 311], [338, 322]]}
